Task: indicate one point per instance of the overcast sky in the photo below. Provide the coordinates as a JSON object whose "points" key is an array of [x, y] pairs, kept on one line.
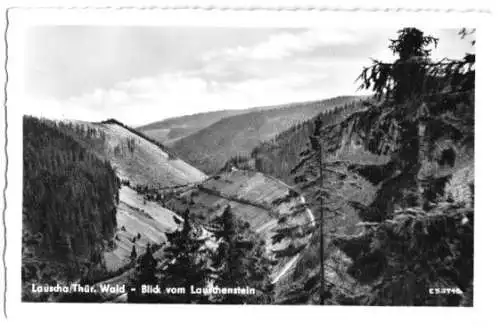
{"points": [[143, 74]]}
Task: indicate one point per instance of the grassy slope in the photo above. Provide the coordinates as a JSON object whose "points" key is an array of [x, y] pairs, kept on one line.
{"points": [[250, 195], [137, 215], [209, 148], [148, 164]]}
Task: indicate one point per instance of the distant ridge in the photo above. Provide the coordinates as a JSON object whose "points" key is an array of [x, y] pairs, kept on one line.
{"points": [[170, 130], [210, 147]]}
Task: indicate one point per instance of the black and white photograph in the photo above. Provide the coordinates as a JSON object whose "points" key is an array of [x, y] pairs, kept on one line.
{"points": [[207, 164]]}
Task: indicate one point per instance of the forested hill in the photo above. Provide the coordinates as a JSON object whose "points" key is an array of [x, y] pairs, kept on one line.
{"points": [[69, 204], [280, 154], [209, 148]]}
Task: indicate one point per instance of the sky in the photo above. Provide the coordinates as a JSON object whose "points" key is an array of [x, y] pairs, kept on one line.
{"points": [[139, 75]]}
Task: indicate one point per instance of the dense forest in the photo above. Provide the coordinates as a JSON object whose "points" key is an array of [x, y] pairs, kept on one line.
{"points": [[69, 204]]}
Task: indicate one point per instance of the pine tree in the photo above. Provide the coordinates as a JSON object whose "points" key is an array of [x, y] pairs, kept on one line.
{"points": [[241, 261], [187, 266], [416, 247], [145, 274], [315, 175], [133, 254], [421, 101]]}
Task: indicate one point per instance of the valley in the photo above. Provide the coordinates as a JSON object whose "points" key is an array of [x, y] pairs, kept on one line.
{"points": [[342, 201], [158, 187], [261, 201], [143, 219]]}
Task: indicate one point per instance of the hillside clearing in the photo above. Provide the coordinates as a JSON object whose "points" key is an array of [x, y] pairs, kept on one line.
{"points": [[137, 216]]}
